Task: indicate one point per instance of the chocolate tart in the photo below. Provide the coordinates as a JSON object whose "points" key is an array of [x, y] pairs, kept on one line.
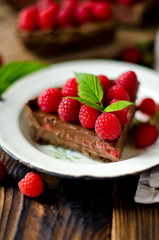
{"points": [[60, 41], [49, 128]]}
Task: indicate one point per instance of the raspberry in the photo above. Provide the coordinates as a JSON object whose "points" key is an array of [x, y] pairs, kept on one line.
{"points": [[101, 11], [65, 14], [27, 18], [47, 17], [117, 92], [82, 13], [31, 185], [69, 89], [88, 116], [68, 109], [2, 171], [145, 135], [49, 100], [147, 106], [131, 54], [124, 115], [125, 2], [105, 82], [129, 81], [108, 126]]}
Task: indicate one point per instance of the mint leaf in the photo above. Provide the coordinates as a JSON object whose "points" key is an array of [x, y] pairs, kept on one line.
{"points": [[11, 72], [89, 87], [88, 103], [118, 106]]}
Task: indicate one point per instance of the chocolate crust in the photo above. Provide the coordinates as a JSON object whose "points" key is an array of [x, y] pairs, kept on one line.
{"points": [[49, 128], [60, 41]]}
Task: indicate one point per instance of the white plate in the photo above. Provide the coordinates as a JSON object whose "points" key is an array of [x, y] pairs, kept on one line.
{"points": [[15, 137]]}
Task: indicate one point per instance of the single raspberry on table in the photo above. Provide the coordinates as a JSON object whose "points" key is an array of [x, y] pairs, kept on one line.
{"points": [[3, 171], [49, 100], [101, 11], [129, 81], [108, 126], [88, 116], [117, 92], [131, 54], [105, 82], [68, 109], [70, 88], [46, 17], [145, 135], [31, 185], [65, 15], [124, 115], [27, 19], [147, 106]]}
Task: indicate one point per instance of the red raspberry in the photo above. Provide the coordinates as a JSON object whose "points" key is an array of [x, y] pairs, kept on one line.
{"points": [[27, 18], [3, 171], [147, 106], [49, 100], [145, 135], [124, 115], [129, 81], [88, 116], [31, 185], [105, 82], [69, 89], [47, 17], [101, 11], [69, 109], [131, 54], [125, 2], [66, 12], [117, 92], [82, 13], [108, 126]]}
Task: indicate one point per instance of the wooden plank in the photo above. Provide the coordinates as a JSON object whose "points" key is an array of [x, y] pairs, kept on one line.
{"points": [[131, 220], [69, 209]]}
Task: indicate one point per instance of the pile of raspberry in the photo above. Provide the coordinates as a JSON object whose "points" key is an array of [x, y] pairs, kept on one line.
{"points": [[51, 14], [108, 125]]}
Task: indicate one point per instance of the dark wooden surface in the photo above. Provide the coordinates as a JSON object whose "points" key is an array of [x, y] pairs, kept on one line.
{"points": [[71, 209]]}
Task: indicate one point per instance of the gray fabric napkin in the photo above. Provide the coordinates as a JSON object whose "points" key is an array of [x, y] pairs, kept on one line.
{"points": [[148, 186]]}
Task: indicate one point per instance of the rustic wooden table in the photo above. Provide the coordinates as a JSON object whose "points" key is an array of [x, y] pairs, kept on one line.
{"points": [[69, 209]]}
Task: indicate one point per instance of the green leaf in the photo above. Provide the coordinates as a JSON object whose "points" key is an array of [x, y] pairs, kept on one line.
{"points": [[89, 87], [88, 103], [11, 72], [118, 106]]}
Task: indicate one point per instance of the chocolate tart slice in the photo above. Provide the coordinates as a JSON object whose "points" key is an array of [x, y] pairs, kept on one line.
{"points": [[49, 128], [70, 39]]}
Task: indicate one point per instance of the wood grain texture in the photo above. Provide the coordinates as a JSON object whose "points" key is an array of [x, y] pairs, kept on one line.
{"points": [[69, 210], [130, 220]]}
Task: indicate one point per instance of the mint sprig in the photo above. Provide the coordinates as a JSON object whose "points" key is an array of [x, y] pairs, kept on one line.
{"points": [[117, 106], [90, 92], [89, 87], [11, 72]]}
